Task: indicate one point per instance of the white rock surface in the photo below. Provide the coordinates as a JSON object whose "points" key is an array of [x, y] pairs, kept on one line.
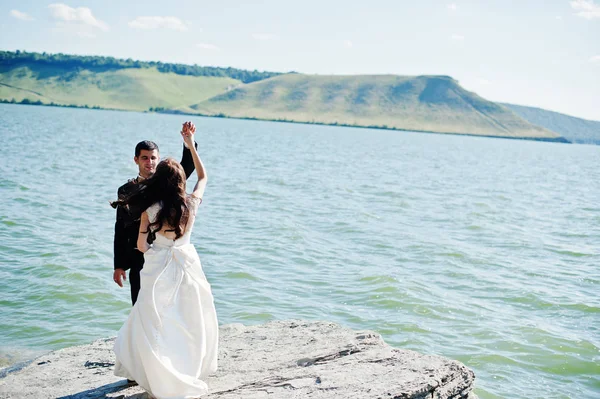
{"points": [[281, 359]]}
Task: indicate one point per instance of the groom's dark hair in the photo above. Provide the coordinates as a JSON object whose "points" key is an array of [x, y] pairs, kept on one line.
{"points": [[145, 145]]}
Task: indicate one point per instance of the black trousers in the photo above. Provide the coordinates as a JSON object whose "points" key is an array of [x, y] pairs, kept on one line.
{"points": [[134, 282]]}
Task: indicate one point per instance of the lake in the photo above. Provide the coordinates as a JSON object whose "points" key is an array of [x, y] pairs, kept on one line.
{"points": [[478, 249]]}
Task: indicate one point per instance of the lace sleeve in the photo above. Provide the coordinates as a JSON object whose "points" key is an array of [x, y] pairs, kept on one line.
{"points": [[194, 203], [152, 212]]}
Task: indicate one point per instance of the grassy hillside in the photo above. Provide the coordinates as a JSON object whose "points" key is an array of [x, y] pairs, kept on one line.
{"points": [[423, 103], [135, 89], [420, 103], [576, 130]]}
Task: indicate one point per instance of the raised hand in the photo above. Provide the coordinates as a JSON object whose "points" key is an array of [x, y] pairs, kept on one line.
{"points": [[187, 132]]}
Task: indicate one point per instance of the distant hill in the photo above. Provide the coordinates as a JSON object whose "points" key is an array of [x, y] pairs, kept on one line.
{"points": [[132, 89], [108, 82], [574, 129], [420, 103]]}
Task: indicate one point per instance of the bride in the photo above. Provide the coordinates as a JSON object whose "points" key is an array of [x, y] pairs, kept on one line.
{"points": [[168, 344]]}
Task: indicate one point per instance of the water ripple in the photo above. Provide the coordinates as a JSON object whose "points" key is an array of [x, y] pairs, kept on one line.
{"points": [[481, 250]]}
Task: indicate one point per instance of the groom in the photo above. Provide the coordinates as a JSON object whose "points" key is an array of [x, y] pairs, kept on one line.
{"points": [[127, 226]]}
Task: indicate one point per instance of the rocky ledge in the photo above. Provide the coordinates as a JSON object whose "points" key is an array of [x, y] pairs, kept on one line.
{"points": [[280, 359]]}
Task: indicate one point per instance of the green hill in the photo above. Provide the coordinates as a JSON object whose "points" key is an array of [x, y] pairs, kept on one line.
{"points": [[421, 103], [134, 89], [574, 129]]}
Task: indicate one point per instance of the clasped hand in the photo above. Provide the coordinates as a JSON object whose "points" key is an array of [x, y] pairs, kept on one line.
{"points": [[187, 132]]}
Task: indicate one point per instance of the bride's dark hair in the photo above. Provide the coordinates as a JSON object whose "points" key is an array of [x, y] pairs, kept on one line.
{"points": [[167, 186]]}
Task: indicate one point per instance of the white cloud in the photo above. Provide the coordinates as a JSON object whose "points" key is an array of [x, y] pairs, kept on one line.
{"points": [[348, 44], [483, 82], [457, 37], [263, 36], [79, 15], [173, 23], [586, 9], [23, 16], [595, 60], [452, 7], [559, 17], [207, 46]]}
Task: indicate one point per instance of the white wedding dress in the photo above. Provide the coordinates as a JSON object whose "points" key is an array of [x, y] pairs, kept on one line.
{"points": [[168, 345]]}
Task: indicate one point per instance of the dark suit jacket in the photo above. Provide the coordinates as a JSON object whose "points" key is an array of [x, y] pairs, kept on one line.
{"points": [[127, 225]]}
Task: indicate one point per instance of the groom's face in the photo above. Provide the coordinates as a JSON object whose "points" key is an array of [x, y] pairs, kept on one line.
{"points": [[147, 162]]}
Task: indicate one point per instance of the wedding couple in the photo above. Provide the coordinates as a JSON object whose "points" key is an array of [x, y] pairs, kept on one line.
{"points": [[168, 345]]}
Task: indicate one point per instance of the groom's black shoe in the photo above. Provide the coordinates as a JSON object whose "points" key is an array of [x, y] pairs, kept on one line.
{"points": [[131, 383]]}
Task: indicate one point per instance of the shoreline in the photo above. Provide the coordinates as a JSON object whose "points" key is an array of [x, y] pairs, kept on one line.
{"points": [[559, 139]]}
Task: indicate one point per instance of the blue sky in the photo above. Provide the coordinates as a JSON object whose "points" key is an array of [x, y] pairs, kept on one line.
{"points": [[531, 52]]}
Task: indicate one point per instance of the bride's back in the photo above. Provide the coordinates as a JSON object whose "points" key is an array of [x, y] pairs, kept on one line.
{"points": [[168, 232]]}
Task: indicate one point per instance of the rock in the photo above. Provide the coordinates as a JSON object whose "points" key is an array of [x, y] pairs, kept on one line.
{"points": [[280, 359]]}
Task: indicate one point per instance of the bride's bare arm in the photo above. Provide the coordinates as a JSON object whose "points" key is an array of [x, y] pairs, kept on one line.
{"points": [[142, 241], [190, 129]]}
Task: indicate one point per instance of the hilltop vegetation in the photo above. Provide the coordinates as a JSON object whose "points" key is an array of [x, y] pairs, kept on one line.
{"points": [[421, 103], [65, 62]]}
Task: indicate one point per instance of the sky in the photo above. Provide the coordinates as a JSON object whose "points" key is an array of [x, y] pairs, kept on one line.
{"points": [[531, 52]]}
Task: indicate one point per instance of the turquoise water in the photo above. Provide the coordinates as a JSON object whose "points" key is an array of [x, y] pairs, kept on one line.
{"points": [[482, 250]]}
